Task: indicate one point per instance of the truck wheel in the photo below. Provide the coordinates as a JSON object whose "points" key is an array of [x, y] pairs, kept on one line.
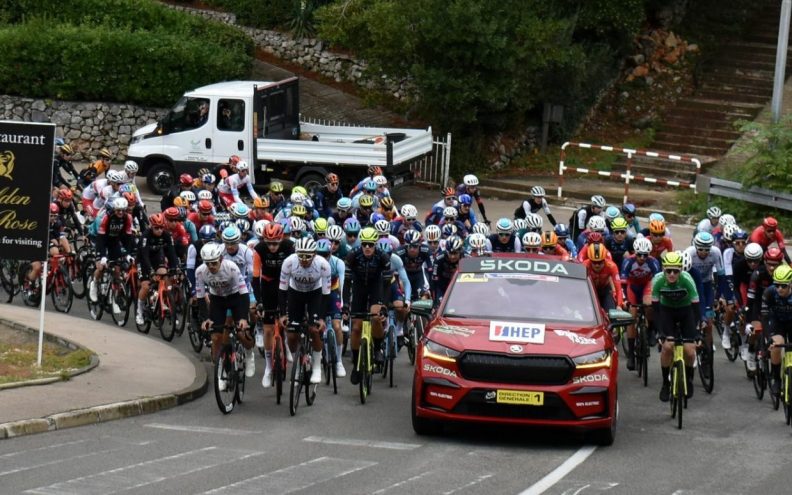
{"points": [[160, 177], [311, 181]]}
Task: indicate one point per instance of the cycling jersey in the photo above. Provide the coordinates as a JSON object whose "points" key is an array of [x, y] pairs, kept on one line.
{"points": [[114, 233], [59, 164], [243, 259], [156, 249], [305, 279], [636, 278], [366, 276], [200, 220], [475, 194], [618, 250], [530, 206], [414, 267], [680, 294], [324, 200], [607, 283], [227, 281], [663, 245], [513, 245], [90, 192], [776, 312], [713, 262], [443, 271], [229, 188], [760, 237], [761, 279]]}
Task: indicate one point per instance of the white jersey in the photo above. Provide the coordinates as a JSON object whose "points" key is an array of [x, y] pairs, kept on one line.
{"points": [[232, 184], [106, 193], [302, 279], [227, 281], [92, 191], [713, 262], [243, 259]]}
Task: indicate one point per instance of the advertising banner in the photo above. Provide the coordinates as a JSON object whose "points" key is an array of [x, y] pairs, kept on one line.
{"points": [[26, 152]]}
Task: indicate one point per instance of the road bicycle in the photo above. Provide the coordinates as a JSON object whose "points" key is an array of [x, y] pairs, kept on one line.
{"points": [[158, 307], [415, 325], [786, 382], [330, 355], [762, 376], [301, 368], [113, 293], [735, 332], [180, 301], [365, 363], [389, 348], [642, 351], [679, 382], [198, 338], [58, 285], [705, 362], [229, 370]]}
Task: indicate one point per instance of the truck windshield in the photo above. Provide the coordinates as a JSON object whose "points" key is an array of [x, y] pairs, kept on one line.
{"points": [[188, 113]]}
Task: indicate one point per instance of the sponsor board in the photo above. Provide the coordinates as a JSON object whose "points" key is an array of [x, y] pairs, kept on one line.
{"points": [[433, 368], [510, 331], [575, 338]]}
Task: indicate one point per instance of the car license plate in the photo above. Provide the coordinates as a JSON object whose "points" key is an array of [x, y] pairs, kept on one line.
{"points": [[398, 181], [520, 398]]}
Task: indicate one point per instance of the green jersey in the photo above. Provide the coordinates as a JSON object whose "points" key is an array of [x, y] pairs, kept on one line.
{"points": [[677, 295]]}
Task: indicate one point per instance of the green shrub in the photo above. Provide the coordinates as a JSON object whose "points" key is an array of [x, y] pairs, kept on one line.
{"points": [[146, 67], [258, 13]]}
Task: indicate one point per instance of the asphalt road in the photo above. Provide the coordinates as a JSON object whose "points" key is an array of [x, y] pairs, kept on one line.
{"points": [[731, 443]]}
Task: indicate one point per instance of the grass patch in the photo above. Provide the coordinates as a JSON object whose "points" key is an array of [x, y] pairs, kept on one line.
{"points": [[18, 361]]}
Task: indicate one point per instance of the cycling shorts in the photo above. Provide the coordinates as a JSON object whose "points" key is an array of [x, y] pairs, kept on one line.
{"points": [[363, 296], [706, 298], [269, 300], [667, 318], [335, 305], [299, 303], [219, 308], [728, 293], [637, 294]]}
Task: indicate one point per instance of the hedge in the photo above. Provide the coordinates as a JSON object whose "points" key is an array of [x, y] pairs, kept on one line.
{"points": [[71, 62]]}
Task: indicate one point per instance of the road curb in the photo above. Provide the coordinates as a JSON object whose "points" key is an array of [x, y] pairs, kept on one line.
{"points": [[113, 411]]}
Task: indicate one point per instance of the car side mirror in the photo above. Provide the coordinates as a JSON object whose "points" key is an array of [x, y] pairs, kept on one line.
{"points": [[422, 307], [619, 318]]}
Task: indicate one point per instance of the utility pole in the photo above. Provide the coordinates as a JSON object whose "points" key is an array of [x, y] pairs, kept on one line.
{"points": [[781, 56]]}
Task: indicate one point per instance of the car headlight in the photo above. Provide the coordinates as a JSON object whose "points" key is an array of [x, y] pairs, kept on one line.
{"points": [[599, 359], [433, 350]]}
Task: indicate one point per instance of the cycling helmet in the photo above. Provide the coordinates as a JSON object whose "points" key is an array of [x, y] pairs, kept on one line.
{"points": [[231, 234], [273, 232], [205, 206], [123, 178], [385, 246], [535, 221], [114, 177], [370, 186], [594, 238], [470, 180], [433, 233], [448, 192], [320, 226], [204, 195], [687, 260], [409, 211], [382, 227], [297, 198], [753, 252], [233, 160], [598, 200], [208, 178], [412, 237], [323, 247], [180, 202], [642, 245], [131, 198], [387, 203], [171, 213], [477, 241], [713, 212], [782, 274], [331, 178], [656, 216], [450, 212], [465, 199], [596, 252], [520, 224], [770, 223], [703, 240], [130, 167], [729, 230], [376, 217], [207, 233], [296, 224], [480, 228], [596, 223], [212, 252], [239, 210], [366, 201], [335, 233], [504, 226], [740, 235], [532, 240], [619, 223], [299, 210], [243, 224], [202, 172], [242, 166], [454, 244], [727, 219], [109, 207], [54, 209], [369, 235], [305, 245], [351, 226], [157, 220], [276, 187], [537, 192], [374, 170], [774, 254], [549, 239], [380, 180], [344, 204], [561, 230], [105, 153], [448, 229], [611, 212], [67, 149], [261, 202], [65, 194], [188, 196], [657, 227], [185, 179], [629, 209], [672, 259]]}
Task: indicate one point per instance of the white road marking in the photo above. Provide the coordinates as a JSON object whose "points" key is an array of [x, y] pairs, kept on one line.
{"points": [[295, 478], [578, 487], [201, 429], [363, 443], [558, 473], [147, 472], [58, 461], [46, 447], [476, 481], [402, 483]]}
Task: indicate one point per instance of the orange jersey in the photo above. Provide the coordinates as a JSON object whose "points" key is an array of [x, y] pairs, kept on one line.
{"points": [[608, 276], [665, 244], [101, 166]]}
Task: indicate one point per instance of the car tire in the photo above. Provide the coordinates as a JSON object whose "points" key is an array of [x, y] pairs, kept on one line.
{"points": [[423, 426], [312, 180], [160, 177], [606, 436]]}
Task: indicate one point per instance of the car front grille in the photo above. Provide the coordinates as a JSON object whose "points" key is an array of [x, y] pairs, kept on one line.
{"points": [[524, 370]]}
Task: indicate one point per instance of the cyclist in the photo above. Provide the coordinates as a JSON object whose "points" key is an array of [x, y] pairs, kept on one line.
{"points": [[407, 221], [432, 235], [767, 234], [228, 189], [207, 233], [203, 214], [469, 186], [113, 240], [465, 215], [532, 243], [343, 211], [551, 246], [661, 243], [372, 171], [562, 232], [619, 242], [675, 300], [102, 163], [436, 214], [710, 223], [535, 203], [156, 246], [637, 272], [62, 161], [604, 275], [707, 259], [225, 170], [185, 184], [181, 238], [277, 200], [504, 240], [336, 303], [450, 218], [633, 226], [397, 292], [58, 242], [478, 245], [415, 256], [444, 266], [733, 257], [777, 319], [304, 287], [580, 219], [596, 224], [67, 210], [761, 279]]}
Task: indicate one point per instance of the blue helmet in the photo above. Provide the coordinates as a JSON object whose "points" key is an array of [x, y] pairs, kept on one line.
{"points": [[740, 235], [628, 209], [207, 233], [465, 199], [344, 204], [59, 141], [208, 179], [561, 230], [231, 234], [611, 212], [385, 246], [376, 217], [448, 229], [370, 186], [323, 246], [656, 216], [351, 226]]}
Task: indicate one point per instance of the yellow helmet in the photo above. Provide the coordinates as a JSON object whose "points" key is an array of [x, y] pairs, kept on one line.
{"points": [[276, 187], [672, 259], [782, 274]]}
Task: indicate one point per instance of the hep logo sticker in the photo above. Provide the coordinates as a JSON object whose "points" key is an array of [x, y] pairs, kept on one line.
{"points": [[508, 331]]}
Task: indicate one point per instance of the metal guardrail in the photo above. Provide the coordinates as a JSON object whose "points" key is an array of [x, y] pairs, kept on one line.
{"points": [[713, 186]]}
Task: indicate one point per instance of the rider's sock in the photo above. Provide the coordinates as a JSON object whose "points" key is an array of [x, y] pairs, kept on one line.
{"points": [[140, 305], [339, 348], [775, 370], [268, 360], [665, 370]]}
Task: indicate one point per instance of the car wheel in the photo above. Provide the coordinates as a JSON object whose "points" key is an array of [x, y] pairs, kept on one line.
{"points": [[607, 436], [423, 426], [160, 177], [312, 181]]}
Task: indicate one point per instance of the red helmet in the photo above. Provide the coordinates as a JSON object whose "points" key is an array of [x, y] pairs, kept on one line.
{"points": [[54, 209], [171, 213], [131, 198], [157, 220], [273, 232], [448, 191], [770, 223], [185, 179], [375, 170], [331, 178], [234, 160], [65, 194], [594, 238], [205, 206], [774, 254]]}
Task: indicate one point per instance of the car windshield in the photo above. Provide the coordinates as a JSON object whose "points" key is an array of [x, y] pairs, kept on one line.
{"points": [[521, 296]]}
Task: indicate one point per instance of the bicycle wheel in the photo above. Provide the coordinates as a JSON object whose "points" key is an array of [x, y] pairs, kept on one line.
{"points": [[62, 295], [409, 326], [75, 265], [146, 326], [786, 383], [239, 367], [680, 392], [364, 364], [194, 331], [278, 370], [774, 399], [296, 381], [96, 308], [310, 388], [718, 322], [643, 354], [391, 350], [705, 366], [623, 338], [180, 307], [168, 326], [224, 371], [30, 289], [119, 302], [736, 341], [759, 380], [332, 358]]}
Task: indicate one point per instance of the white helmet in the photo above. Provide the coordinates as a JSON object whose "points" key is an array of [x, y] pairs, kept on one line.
{"points": [[596, 223], [450, 212], [470, 180], [187, 196], [532, 240], [242, 166], [297, 224], [123, 177], [113, 176], [305, 245], [598, 200], [335, 233], [212, 251], [713, 212], [120, 204], [297, 198], [380, 180], [477, 241], [537, 191], [204, 194], [520, 224], [729, 230], [642, 245], [130, 167], [534, 221], [382, 227], [687, 260], [753, 251], [481, 228], [409, 211], [258, 227], [727, 219], [433, 233]]}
